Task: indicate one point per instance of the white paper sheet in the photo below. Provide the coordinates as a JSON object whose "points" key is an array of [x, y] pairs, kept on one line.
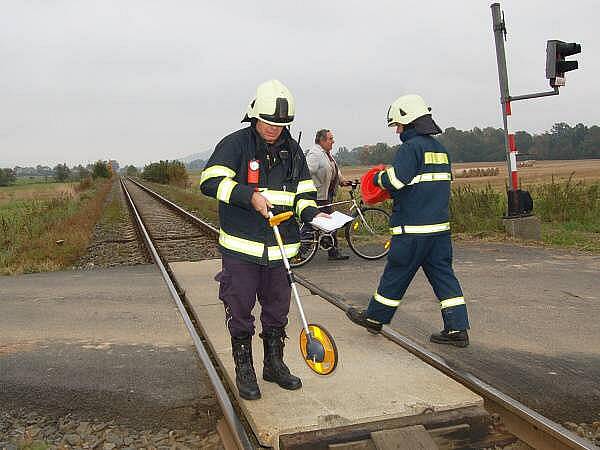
{"points": [[328, 224]]}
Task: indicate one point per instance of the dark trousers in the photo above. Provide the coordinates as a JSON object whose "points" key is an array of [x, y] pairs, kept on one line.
{"points": [[407, 254], [241, 282]]}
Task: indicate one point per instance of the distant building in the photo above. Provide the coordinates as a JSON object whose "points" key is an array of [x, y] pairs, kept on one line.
{"points": [[25, 171]]}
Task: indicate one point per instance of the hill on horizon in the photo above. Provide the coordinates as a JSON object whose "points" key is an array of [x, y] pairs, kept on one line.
{"points": [[194, 156]]}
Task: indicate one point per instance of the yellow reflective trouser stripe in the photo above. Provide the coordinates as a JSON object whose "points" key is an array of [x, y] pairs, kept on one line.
{"points": [[386, 301], [305, 186], [420, 229], [379, 174], [216, 171], [241, 245], [393, 180], [303, 203], [225, 188], [436, 158], [290, 251], [283, 198], [448, 303], [435, 176]]}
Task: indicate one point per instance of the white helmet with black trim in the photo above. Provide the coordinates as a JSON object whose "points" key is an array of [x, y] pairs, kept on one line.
{"points": [[273, 104], [407, 109]]}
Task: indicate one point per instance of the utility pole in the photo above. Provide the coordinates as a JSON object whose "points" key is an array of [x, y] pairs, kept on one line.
{"points": [[519, 201], [511, 156]]}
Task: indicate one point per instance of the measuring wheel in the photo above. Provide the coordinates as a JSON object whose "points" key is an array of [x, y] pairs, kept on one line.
{"points": [[318, 349]]}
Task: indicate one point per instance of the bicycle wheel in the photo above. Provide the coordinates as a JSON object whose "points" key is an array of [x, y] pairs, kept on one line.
{"points": [[308, 247], [369, 236]]}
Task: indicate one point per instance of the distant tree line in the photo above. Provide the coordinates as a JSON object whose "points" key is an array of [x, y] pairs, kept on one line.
{"points": [[60, 172], [100, 169], [166, 172], [487, 144], [131, 171]]}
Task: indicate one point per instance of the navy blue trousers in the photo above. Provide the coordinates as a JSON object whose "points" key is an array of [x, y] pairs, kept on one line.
{"points": [[409, 252], [241, 283]]}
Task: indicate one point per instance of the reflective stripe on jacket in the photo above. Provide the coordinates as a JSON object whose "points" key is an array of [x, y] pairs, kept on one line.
{"points": [[285, 181]]}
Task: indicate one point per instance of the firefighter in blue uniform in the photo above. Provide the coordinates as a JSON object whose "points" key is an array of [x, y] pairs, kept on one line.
{"points": [[419, 184], [251, 171]]}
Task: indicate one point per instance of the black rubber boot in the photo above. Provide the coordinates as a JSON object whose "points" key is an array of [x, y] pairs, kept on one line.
{"points": [[451, 337], [359, 317], [335, 255], [245, 377], [274, 369]]}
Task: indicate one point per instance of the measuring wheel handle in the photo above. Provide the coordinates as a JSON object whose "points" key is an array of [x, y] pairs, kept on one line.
{"points": [[316, 344]]}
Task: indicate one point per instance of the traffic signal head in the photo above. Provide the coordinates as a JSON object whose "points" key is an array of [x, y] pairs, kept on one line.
{"points": [[556, 66]]}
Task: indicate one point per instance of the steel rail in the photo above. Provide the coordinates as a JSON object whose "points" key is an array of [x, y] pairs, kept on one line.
{"points": [[540, 428], [176, 207], [533, 428], [235, 425]]}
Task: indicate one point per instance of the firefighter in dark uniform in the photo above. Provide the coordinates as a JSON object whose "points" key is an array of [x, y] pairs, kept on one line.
{"points": [[419, 184], [255, 170]]}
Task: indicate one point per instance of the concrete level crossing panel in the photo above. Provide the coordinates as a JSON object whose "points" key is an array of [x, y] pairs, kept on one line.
{"points": [[375, 379]]}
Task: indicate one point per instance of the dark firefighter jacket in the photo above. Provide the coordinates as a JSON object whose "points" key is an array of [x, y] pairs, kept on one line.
{"points": [[419, 183], [284, 179]]}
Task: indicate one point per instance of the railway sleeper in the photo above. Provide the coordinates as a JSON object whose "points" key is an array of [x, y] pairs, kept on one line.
{"points": [[464, 428]]}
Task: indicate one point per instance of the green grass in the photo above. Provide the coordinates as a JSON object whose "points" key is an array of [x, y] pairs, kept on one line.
{"points": [[34, 180], [564, 235], [569, 211], [114, 213], [575, 203], [190, 199], [49, 233], [477, 211]]}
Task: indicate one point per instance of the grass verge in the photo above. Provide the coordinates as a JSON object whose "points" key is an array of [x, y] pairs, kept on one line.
{"points": [[569, 211], [50, 233], [190, 199]]}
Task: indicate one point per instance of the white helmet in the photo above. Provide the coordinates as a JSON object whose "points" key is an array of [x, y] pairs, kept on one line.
{"points": [[273, 104], [406, 109]]}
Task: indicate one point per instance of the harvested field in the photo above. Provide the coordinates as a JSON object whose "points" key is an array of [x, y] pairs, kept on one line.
{"points": [[37, 191], [540, 172]]}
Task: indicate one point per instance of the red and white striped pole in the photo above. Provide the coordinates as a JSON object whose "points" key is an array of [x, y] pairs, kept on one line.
{"points": [[509, 138], [512, 146]]}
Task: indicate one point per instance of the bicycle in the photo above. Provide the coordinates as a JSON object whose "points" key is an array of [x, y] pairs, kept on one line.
{"points": [[368, 234]]}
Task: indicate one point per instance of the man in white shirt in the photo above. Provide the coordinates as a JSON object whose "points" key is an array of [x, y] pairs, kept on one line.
{"points": [[327, 178]]}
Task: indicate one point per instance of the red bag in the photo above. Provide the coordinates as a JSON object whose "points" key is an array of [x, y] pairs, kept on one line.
{"points": [[371, 193]]}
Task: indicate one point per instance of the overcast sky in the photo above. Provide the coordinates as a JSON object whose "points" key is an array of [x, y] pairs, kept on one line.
{"points": [[142, 80]]}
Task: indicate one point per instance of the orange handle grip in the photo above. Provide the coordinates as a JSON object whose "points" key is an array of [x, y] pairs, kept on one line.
{"points": [[279, 218]]}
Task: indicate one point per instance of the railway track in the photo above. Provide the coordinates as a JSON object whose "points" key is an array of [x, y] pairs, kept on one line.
{"points": [[172, 234]]}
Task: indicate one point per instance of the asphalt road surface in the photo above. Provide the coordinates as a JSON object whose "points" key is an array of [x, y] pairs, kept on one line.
{"points": [[535, 320], [103, 344]]}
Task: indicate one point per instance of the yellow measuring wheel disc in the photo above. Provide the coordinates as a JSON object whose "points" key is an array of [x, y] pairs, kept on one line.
{"points": [[329, 363]]}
